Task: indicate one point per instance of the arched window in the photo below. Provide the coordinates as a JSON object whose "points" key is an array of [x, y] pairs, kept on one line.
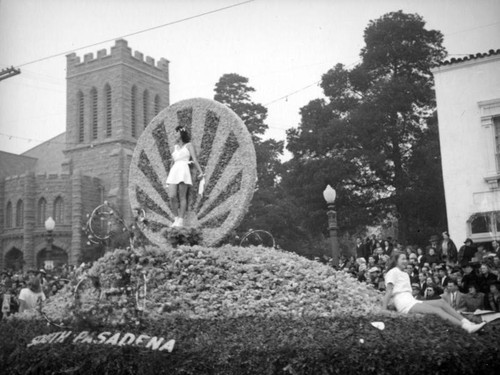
{"points": [[80, 110], [133, 111], [19, 213], [107, 92], [93, 98], [41, 211], [8, 215], [59, 210], [157, 104], [145, 100]]}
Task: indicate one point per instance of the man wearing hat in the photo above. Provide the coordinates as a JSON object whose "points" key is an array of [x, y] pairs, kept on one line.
{"points": [[466, 252], [434, 244], [415, 291], [470, 276]]}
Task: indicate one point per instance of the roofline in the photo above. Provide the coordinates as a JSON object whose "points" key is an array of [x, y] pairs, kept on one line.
{"points": [[48, 140], [18, 155], [467, 61]]}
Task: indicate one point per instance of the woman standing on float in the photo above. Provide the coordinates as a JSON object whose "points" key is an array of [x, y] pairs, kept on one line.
{"points": [[179, 176], [398, 286]]}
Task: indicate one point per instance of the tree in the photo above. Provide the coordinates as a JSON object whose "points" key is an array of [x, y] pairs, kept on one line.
{"points": [[425, 195], [233, 90], [269, 209], [375, 118]]}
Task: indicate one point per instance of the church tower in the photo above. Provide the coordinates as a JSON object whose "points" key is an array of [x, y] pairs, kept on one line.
{"points": [[110, 100]]}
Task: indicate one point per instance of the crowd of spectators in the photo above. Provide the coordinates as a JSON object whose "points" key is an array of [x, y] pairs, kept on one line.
{"points": [[468, 278], [20, 290]]}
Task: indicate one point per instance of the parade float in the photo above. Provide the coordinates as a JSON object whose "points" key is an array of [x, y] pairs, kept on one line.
{"points": [[176, 301]]}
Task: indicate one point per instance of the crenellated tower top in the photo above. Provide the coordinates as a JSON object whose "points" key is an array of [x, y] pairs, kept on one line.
{"points": [[120, 53], [111, 97]]}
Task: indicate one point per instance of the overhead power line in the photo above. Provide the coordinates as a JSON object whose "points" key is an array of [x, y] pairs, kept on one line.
{"points": [[472, 28], [137, 32]]}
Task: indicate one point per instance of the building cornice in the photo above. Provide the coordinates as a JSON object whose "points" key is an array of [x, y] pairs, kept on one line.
{"points": [[466, 62]]}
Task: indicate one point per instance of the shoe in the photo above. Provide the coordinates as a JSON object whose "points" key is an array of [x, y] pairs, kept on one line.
{"points": [[471, 327], [175, 223]]}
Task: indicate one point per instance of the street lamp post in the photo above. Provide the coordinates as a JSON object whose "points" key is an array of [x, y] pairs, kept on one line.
{"points": [[50, 224], [329, 194]]}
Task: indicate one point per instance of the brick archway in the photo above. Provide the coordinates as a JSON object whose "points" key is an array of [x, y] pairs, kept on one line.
{"points": [[14, 259], [58, 255]]}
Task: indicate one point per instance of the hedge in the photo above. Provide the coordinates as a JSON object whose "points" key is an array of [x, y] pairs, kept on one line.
{"points": [[258, 345]]}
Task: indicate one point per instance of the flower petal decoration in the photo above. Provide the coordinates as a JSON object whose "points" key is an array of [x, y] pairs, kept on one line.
{"points": [[226, 154], [206, 283]]}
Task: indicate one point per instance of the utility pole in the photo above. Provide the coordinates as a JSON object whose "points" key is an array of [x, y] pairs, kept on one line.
{"points": [[9, 72]]}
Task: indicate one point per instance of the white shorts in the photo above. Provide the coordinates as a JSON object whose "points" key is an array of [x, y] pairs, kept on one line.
{"points": [[404, 302]]}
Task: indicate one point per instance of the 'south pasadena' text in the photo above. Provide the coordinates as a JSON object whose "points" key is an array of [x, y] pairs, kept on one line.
{"points": [[106, 338]]}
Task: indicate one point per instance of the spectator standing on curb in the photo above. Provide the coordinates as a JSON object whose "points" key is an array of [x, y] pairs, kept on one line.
{"points": [[449, 253], [466, 252], [361, 249]]}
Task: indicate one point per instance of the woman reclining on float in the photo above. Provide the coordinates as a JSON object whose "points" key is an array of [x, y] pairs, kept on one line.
{"points": [[398, 286]]}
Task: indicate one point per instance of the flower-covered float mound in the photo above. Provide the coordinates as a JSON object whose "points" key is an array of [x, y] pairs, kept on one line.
{"points": [[200, 282]]}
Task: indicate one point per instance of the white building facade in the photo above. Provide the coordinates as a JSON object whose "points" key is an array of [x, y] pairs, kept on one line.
{"points": [[468, 103]]}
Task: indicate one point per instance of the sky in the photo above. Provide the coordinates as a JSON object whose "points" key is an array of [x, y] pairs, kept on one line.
{"points": [[282, 46]]}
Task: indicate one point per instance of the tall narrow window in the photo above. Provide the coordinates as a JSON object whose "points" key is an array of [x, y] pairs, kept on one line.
{"points": [[133, 111], [8, 215], [157, 104], [80, 119], [59, 210], [107, 91], [145, 100], [496, 123], [93, 96], [19, 213], [41, 212]]}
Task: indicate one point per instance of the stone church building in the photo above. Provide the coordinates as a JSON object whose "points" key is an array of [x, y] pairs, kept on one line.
{"points": [[110, 99]]}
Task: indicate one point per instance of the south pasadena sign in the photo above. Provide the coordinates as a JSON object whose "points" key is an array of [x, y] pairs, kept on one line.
{"points": [[105, 338]]}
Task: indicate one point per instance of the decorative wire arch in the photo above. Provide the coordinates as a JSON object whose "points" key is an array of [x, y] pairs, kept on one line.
{"points": [[258, 237], [100, 229], [105, 221]]}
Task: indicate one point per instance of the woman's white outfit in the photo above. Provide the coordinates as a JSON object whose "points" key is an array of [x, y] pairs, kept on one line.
{"points": [[180, 171], [31, 298], [401, 292]]}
